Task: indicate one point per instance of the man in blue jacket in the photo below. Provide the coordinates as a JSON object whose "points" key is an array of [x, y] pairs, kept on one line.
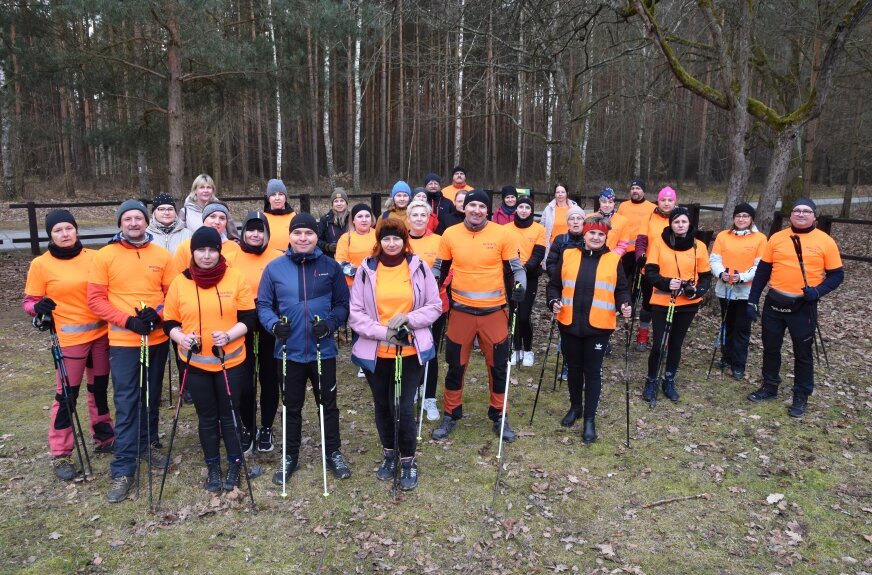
{"points": [[303, 300]]}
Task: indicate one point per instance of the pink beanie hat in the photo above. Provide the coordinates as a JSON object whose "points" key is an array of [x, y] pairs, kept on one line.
{"points": [[667, 192]]}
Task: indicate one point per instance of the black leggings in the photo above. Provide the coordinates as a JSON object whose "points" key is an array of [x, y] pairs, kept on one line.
{"points": [[382, 385], [524, 324], [680, 324], [268, 381], [438, 328], [584, 357], [209, 391]]}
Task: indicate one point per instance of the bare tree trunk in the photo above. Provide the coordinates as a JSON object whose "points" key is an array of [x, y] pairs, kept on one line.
{"points": [[785, 143], [6, 138], [520, 111], [383, 109], [278, 95], [852, 178], [328, 140], [809, 139], [702, 169], [401, 92], [358, 100], [585, 138], [549, 129], [349, 106], [458, 95], [313, 91], [175, 115]]}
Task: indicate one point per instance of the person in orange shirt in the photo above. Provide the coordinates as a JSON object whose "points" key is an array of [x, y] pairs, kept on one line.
{"points": [[217, 216], [357, 243], [638, 211], [394, 300], [478, 250], [734, 258], [126, 287], [658, 220], [279, 213], [678, 271], [554, 215], [458, 183], [795, 287], [56, 290], [530, 236], [209, 309], [252, 259], [425, 245]]}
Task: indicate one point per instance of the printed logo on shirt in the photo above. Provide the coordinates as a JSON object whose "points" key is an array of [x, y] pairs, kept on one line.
{"points": [[489, 245], [598, 347], [225, 294], [156, 269]]}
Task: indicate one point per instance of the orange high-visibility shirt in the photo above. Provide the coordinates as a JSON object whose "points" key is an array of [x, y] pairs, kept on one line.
{"points": [[353, 248], [819, 253], [656, 225], [687, 265], [528, 238], [561, 226], [66, 282], [206, 310], [739, 252], [279, 230], [393, 295], [252, 265], [182, 257], [637, 220], [450, 191]]}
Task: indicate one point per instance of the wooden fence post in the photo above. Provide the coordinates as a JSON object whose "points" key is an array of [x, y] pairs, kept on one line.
{"points": [[34, 229], [306, 202], [375, 203]]}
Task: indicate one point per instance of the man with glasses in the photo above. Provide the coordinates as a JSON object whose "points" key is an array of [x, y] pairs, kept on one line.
{"points": [[167, 229], [801, 264]]}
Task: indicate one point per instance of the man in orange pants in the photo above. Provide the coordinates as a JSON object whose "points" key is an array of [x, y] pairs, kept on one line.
{"points": [[476, 251]]}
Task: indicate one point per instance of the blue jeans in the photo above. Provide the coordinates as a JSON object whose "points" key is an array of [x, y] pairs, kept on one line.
{"points": [[129, 410]]}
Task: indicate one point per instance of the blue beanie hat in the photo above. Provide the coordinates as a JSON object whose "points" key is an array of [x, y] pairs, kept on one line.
{"points": [[399, 187]]}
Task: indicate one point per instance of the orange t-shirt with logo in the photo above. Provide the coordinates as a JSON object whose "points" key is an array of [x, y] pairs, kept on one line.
{"points": [[819, 253], [637, 220], [393, 295], [450, 191], [279, 230], [353, 248], [528, 238], [687, 265]]}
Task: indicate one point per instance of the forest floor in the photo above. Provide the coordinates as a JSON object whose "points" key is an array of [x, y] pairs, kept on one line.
{"points": [[711, 484]]}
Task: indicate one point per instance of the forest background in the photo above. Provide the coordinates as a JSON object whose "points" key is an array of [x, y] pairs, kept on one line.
{"points": [[752, 98]]}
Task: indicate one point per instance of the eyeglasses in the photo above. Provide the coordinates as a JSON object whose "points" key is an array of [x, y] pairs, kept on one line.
{"points": [[165, 209], [575, 219], [743, 216], [802, 212]]}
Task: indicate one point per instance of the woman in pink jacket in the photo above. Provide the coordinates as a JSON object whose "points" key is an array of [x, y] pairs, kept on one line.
{"points": [[394, 300]]}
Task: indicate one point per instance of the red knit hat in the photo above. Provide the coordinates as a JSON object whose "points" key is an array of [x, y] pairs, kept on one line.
{"points": [[600, 224]]}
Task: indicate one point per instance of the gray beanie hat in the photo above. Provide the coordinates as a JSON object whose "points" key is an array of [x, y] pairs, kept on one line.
{"points": [[128, 205], [276, 186], [215, 207]]}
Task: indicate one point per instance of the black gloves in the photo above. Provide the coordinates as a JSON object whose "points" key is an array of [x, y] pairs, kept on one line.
{"points": [[137, 325], [518, 293], [751, 311], [44, 306], [331, 248], [808, 294], [320, 329], [282, 330], [149, 315]]}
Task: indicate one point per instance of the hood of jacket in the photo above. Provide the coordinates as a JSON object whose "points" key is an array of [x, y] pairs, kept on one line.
{"points": [[252, 216]]}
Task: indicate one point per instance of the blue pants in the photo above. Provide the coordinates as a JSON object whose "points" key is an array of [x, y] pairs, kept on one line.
{"points": [[130, 415]]}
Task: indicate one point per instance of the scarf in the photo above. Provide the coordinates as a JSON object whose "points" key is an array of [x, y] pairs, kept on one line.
{"points": [[206, 279], [507, 210], [279, 212], [391, 261], [679, 244], [657, 210], [475, 228], [524, 223], [65, 253]]}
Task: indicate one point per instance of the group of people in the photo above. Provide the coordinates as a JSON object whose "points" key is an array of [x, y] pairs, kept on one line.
{"points": [[263, 306]]}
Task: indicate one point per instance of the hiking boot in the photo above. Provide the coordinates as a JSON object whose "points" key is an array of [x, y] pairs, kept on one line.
{"points": [[158, 459], [738, 374], [336, 464], [571, 415], [213, 478], [431, 409], [286, 469], [765, 393], [799, 405], [388, 466], [105, 448], [265, 441], [724, 364], [669, 386], [642, 339], [409, 474], [650, 391], [589, 434], [445, 428], [120, 488], [231, 480], [509, 436], [63, 467], [528, 360]]}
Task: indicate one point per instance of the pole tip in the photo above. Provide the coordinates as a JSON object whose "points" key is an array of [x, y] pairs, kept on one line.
{"points": [[284, 495]]}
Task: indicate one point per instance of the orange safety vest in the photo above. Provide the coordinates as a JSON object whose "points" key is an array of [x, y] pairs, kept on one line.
{"points": [[602, 308]]}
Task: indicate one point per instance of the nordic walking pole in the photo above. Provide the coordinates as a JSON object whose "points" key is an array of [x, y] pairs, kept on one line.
{"points": [[503, 411], [256, 470], [797, 245], [195, 346], [664, 342], [170, 374], [627, 323], [142, 354], [146, 353], [61, 368], [542, 371], [721, 338], [320, 399], [219, 353], [558, 367], [284, 411], [398, 386], [421, 390]]}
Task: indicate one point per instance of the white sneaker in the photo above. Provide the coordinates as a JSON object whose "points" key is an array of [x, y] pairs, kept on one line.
{"points": [[514, 358], [360, 373], [528, 360], [431, 409]]}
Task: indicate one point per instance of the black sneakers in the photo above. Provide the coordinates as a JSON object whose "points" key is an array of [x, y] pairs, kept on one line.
{"points": [[246, 440], [63, 467], [409, 474], [286, 469], [213, 478], [265, 440], [231, 480], [650, 391], [509, 436], [445, 428], [336, 464], [765, 393], [388, 466], [799, 405], [120, 488], [669, 386]]}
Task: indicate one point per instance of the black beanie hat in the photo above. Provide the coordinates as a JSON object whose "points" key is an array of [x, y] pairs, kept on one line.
{"points": [[56, 217], [525, 200], [509, 191], [361, 207], [431, 177], [162, 200], [476, 196], [744, 208], [637, 182], [805, 202], [304, 221], [458, 168], [206, 237], [678, 211]]}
